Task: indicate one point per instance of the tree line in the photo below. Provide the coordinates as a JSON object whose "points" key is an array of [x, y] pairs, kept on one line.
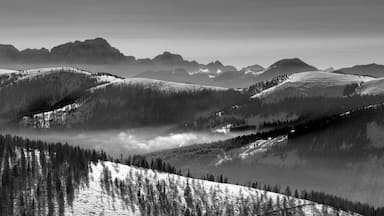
{"points": [[255, 113], [322, 198]]}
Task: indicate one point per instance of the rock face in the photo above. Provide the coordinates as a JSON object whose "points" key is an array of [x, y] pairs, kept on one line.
{"points": [[34, 55], [89, 51]]}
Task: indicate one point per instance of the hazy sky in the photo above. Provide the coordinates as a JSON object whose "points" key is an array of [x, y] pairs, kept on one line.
{"points": [[239, 32]]}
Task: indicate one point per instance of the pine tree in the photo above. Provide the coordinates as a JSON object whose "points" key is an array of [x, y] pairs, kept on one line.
{"points": [[296, 194], [288, 191], [188, 195]]}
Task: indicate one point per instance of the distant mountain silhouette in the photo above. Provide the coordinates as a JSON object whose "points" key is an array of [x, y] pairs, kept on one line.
{"points": [[100, 56], [165, 66], [168, 58], [287, 67], [95, 51], [8, 52], [373, 70], [218, 74], [89, 51], [34, 55]]}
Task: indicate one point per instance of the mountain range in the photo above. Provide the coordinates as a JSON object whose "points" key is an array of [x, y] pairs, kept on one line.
{"points": [[99, 56], [96, 51]]}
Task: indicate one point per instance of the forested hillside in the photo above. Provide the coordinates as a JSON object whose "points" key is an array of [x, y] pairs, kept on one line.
{"points": [[133, 105], [256, 114], [307, 154], [41, 179], [32, 93], [55, 179]]}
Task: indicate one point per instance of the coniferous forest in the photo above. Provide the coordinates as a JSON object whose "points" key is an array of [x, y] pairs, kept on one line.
{"points": [[38, 178], [36, 175]]}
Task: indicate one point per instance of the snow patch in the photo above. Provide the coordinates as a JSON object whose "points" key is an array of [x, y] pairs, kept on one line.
{"points": [[372, 87], [313, 83], [103, 78], [51, 118], [261, 146]]}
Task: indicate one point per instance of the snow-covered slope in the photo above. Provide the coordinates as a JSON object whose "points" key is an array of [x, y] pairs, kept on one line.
{"points": [[7, 76], [372, 87], [7, 71], [137, 191], [43, 72], [166, 86], [28, 74], [314, 83], [100, 77]]}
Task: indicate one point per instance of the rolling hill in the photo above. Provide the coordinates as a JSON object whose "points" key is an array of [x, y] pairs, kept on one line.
{"points": [[312, 84], [69, 97], [373, 70], [285, 67]]}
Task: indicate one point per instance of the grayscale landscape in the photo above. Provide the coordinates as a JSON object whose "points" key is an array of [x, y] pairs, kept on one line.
{"points": [[194, 108]]}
